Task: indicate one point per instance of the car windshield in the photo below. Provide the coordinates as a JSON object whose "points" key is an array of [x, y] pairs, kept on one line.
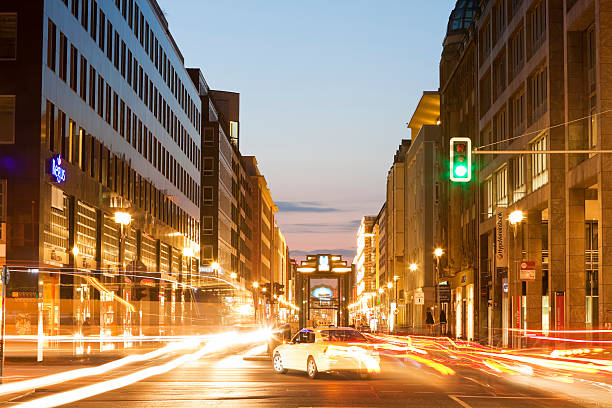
{"points": [[343, 336]]}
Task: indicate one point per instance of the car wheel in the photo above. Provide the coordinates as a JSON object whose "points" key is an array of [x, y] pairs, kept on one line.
{"points": [[311, 368], [278, 364]]}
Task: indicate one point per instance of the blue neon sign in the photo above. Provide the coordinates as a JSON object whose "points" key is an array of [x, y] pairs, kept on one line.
{"points": [[323, 293], [56, 169]]}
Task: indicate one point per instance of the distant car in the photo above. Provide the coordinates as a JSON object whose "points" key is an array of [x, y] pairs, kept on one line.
{"points": [[364, 329], [326, 350]]}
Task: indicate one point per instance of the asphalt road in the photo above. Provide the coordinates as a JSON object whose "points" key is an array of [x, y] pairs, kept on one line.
{"points": [[229, 380]]}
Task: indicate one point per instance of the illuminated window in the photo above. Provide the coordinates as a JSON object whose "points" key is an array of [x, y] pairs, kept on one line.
{"points": [[501, 187], [7, 119], [518, 178], [539, 164], [8, 36]]}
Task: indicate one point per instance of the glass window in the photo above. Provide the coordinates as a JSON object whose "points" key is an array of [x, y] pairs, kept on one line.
{"points": [[208, 166], [343, 336], [7, 119], [8, 35], [501, 187], [518, 178], [539, 164]]}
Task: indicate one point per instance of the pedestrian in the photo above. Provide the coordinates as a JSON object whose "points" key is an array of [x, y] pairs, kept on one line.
{"points": [[429, 320], [443, 322]]}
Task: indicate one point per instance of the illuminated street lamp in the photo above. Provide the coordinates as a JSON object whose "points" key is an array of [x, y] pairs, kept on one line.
{"points": [[413, 267], [389, 285], [234, 275], [255, 285], [380, 290], [515, 218], [438, 252], [215, 266], [123, 218], [75, 251], [188, 252]]}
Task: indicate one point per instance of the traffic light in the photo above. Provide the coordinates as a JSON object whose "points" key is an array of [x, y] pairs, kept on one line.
{"points": [[460, 159], [265, 288]]}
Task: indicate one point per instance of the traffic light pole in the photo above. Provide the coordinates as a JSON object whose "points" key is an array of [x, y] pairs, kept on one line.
{"points": [[541, 151]]}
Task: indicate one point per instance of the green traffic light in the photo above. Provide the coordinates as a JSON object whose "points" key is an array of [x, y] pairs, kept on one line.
{"points": [[461, 171]]}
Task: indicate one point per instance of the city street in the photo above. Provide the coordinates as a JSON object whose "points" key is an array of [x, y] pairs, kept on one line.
{"points": [[241, 377]]}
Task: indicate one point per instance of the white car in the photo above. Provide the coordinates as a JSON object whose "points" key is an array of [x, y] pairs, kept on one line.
{"points": [[327, 349]]}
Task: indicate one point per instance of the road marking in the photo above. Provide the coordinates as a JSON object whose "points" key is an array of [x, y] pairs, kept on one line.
{"points": [[485, 386], [458, 401]]}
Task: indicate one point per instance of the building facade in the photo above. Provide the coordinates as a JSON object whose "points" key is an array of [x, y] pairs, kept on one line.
{"points": [[421, 185], [101, 167], [462, 277]]}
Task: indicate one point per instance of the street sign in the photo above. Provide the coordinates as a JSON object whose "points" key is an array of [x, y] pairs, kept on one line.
{"points": [[528, 271], [419, 298], [444, 293]]}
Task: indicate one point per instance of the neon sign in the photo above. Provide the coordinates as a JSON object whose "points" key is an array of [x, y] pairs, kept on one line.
{"points": [[56, 170], [323, 293]]}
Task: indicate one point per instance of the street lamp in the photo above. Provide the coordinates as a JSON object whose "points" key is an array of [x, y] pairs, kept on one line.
{"points": [[234, 275], [413, 267], [255, 285], [438, 252], [389, 285], [215, 266], [515, 218]]}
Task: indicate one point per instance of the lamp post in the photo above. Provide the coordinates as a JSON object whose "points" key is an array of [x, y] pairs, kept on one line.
{"points": [[123, 219], [515, 218], [390, 317], [256, 298], [438, 252]]}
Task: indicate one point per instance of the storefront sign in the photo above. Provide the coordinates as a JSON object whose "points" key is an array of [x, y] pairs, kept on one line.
{"points": [[528, 271], [444, 293], [56, 169], [419, 298], [56, 256], [500, 238], [85, 262]]}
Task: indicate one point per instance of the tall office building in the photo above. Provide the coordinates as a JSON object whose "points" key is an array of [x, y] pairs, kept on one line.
{"points": [[100, 169]]}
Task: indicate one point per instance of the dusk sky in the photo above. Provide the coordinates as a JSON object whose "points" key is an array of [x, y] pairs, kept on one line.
{"points": [[326, 89]]}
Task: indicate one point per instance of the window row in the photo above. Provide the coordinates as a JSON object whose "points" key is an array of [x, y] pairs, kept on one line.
{"points": [[127, 65], [85, 152], [93, 89], [509, 184]]}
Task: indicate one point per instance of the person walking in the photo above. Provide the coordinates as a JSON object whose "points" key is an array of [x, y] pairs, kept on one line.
{"points": [[429, 320]]}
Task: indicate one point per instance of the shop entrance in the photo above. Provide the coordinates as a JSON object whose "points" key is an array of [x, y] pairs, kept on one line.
{"points": [[324, 317]]}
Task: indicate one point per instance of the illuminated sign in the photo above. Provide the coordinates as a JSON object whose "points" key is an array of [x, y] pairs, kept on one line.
{"points": [[324, 263], [56, 169], [323, 293]]}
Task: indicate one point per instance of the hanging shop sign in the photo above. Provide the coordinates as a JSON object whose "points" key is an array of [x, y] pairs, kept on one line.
{"points": [[56, 169], [501, 259], [528, 271], [419, 298]]}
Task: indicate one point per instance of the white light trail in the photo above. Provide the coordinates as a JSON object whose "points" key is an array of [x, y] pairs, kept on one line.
{"points": [[216, 343], [52, 379]]}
